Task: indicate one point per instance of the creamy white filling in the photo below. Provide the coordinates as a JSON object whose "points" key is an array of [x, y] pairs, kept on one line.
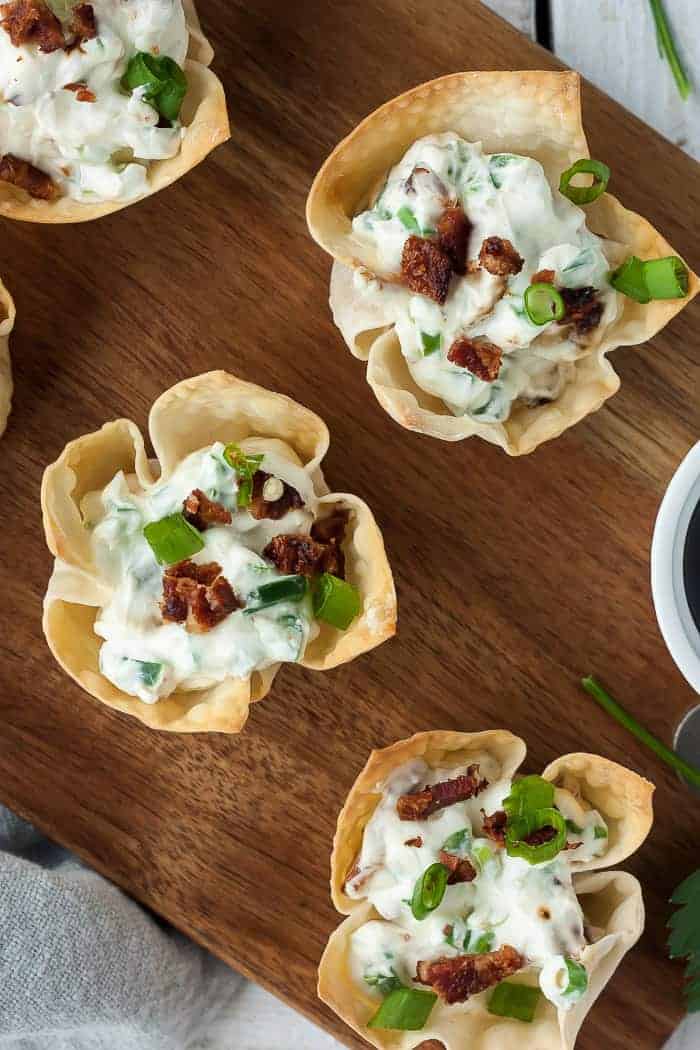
{"points": [[149, 658], [505, 196], [533, 908], [85, 146]]}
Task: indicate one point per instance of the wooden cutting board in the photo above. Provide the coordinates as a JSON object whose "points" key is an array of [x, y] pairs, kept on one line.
{"points": [[514, 576]]}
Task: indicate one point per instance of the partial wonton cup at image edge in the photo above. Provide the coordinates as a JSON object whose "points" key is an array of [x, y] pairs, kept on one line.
{"points": [[534, 114], [190, 416], [611, 900], [7, 320], [205, 121]]}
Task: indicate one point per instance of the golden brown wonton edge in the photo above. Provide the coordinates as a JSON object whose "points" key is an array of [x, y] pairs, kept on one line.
{"points": [[203, 113], [7, 320], [189, 416], [536, 113], [613, 899]]}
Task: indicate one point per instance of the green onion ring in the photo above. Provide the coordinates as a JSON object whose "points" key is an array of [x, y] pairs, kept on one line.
{"points": [[585, 194], [429, 891], [543, 303]]}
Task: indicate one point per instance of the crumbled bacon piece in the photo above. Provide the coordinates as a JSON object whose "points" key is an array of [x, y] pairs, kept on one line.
{"points": [[494, 827], [32, 22], [456, 979], [479, 356], [331, 532], [83, 24], [499, 257], [417, 842], [543, 277], [426, 268], [202, 512], [437, 796], [82, 92], [460, 869], [197, 595], [583, 309], [294, 554], [541, 835], [24, 175], [453, 230], [274, 509]]}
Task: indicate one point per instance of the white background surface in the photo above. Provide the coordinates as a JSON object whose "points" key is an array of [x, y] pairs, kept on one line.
{"points": [[613, 43]]}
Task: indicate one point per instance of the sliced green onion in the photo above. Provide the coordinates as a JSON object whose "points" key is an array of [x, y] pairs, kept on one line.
{"points": [[573, 828], [585, 194], [629, 279], [406, 1010], [651, 279], [431, 343], [482, 854], [527, 795], [518, 832], [689, 773], [286, 589], [481, 945], [429, 890], [245, 467], [578, 979], [667, 48], [165, 82], [666, 278], [409, 220], [543, 303], [173, 539], [150, 672], [514, 1000], [600, 832], [458, 843], [336, 601], [383, 982]]}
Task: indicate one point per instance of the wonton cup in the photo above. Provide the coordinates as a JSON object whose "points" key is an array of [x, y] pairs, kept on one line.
{"points": [[7, 320], [536, 114], [611, 900], [191, 415], [203, 116]]}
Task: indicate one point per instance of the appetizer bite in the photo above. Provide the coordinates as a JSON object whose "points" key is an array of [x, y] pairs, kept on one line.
{"points": [[182, 584], [7, 320], [481, 270], [476, 914], [101, 104]]}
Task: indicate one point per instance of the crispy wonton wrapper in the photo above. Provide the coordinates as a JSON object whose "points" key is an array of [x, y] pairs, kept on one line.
{"points": [[191, 415], [537, 114], [203, 116], [7, 320], [611, 900]]}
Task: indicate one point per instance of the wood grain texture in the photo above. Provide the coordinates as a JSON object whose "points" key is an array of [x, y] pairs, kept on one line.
{"points": [[613, 43], [514, 577]]}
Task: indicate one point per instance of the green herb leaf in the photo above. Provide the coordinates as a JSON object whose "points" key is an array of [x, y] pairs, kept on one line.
{"points": [[409, 220], [573, 828], [600, 832], [684, 939], [384, 983], [164, 81], [431, 343]]}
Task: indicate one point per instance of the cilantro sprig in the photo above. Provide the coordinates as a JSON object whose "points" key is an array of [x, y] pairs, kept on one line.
{"points": [[684, 939]]}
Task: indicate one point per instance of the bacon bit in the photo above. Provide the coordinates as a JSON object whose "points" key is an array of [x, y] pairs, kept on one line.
{"points": [[456, 979], [359, 876], [24, 175], [453, 231], [572, 845], [83, 24], [32, 22], [544, 913], [202, 512], [260, 508], [331, 532], [459, 868], [82, 92], [438, 796], [583, 309], [494, 827], [499, 257], [294, 554], [426, 269], [417, 842], [543, 277], [542, 835], [478, 356], [197, 595]]}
